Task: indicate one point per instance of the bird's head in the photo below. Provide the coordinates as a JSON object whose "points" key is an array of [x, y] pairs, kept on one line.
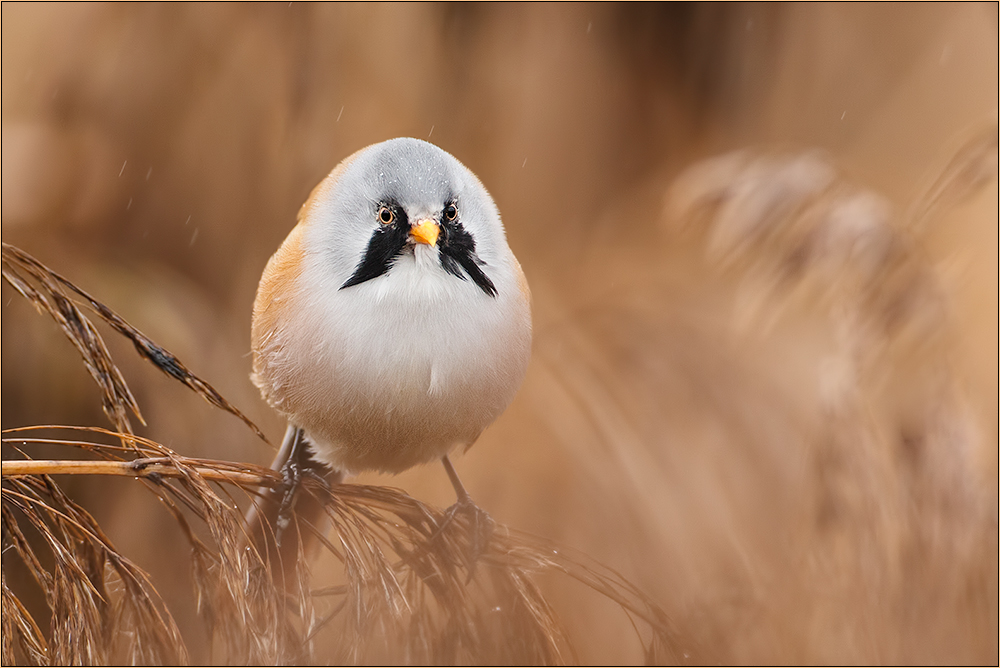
{"points": [[405, 198]]}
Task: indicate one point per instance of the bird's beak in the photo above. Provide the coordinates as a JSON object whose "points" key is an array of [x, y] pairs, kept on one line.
{"points": [[425, 232]]}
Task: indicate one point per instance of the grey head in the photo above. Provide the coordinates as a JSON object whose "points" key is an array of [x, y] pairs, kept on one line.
{"points": [[391, 187]]}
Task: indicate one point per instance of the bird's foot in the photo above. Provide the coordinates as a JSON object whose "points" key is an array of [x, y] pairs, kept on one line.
{"points": [[477, 526], [291, 474], [294, 471]]}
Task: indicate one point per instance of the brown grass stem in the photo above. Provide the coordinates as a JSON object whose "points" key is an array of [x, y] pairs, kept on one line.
{"points": [[137, 468]]}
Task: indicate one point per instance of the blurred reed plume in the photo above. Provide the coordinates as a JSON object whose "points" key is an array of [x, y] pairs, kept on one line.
{"points": [[414, 589], [811, 342]]}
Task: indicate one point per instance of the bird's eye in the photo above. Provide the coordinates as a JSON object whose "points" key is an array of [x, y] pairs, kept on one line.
{"points": [[386, 216], [450, 212]]}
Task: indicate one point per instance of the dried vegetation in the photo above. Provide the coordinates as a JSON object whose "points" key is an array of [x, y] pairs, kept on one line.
{"points": [[414, 589]]}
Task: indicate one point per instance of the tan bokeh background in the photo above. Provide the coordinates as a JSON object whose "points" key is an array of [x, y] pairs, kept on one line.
{"points": [[790, 483]]}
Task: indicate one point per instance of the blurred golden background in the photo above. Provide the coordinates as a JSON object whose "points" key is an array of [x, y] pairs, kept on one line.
{"points": [[763, 386]]}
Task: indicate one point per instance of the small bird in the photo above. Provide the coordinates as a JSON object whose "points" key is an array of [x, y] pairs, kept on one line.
{"points": [[394, 322]]}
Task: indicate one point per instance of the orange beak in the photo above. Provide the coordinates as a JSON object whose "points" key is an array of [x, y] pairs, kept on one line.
{"points": [[425, 232]]}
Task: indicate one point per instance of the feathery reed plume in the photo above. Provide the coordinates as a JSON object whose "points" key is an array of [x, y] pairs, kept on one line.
{"points": [[414, 588], [53, 296], [891, 452], [800, 234], [90, 622]]}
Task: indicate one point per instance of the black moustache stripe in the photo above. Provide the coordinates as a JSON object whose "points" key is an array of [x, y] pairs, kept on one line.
{"points": [[386, 244], [456, 248]]}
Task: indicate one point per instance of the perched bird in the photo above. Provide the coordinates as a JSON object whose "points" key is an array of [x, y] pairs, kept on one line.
{"points": [[394, 323]]}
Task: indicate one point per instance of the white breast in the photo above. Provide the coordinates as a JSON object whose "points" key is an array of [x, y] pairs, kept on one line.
{"points": [[400, 369]]}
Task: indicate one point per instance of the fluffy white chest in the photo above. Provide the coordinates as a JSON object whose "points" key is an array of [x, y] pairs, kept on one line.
{"points": [[400, 369]]}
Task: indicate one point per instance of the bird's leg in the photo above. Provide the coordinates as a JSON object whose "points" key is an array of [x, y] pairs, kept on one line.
{"points": [[262, 513], [298, 466], [292, 471], [463, 496], [481, 525], [271, 520]]}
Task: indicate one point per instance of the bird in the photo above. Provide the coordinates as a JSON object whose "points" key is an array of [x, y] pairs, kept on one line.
{"points": [[393, 324]]}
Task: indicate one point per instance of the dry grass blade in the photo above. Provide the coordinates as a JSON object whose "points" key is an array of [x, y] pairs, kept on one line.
{"points": [[21, 634], [116, 398], [233, 588], [234, 584], [91, 622], [972, 167], [418, 591], [53, 299]]}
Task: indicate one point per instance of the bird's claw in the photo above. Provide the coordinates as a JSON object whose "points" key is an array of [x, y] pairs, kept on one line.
{"points": [[291, 474], [479, 527]]}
